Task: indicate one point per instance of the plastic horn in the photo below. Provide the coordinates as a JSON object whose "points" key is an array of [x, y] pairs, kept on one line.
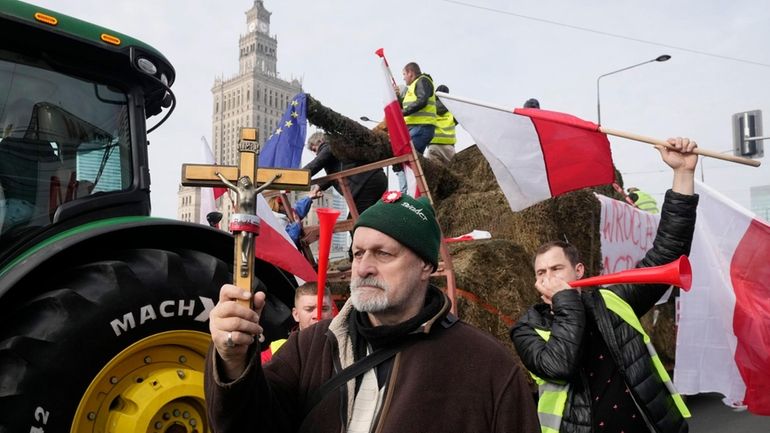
{"points": [[326, 220], [677, 273]]}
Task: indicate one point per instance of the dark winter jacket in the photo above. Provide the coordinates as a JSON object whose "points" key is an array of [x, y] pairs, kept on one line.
{"points": [[441, 108], [559, 358], [451, 379], [325, 160]]}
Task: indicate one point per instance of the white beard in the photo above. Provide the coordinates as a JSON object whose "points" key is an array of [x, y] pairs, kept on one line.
{"points": [[371, 301]]}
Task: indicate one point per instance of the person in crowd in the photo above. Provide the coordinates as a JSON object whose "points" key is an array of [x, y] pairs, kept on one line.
{"points": [[393, 360], [595, 366], [300, 209], [643, 200], [366, 187], [442, 146], [532, 103], [419, 110], [304, 312]]}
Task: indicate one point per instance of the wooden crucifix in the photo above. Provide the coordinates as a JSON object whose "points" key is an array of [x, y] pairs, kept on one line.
{"points": [[247, 181]]}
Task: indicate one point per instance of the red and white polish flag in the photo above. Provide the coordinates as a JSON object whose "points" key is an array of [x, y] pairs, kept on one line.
{"points": [[400, 142], [273, 245], [723, 343], [535, 154]]}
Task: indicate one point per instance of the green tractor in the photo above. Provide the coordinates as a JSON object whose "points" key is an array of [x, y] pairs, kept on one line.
{"points": [[103, 309]]}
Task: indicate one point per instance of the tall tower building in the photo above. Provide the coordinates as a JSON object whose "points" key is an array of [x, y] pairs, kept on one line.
{"points": [[255, 97]]}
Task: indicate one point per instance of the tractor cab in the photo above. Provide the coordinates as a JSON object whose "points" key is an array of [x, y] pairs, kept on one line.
{"points": [[73, 103]]}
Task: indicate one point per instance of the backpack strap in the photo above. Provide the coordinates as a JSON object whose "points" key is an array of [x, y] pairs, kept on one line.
{"points": [[352, 371]]}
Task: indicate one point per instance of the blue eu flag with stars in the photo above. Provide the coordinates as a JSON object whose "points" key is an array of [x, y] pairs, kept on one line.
{"points": [[283, 147]]}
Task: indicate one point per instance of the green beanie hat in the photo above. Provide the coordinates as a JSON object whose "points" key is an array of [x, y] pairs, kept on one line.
{"points": [[412, 222]]}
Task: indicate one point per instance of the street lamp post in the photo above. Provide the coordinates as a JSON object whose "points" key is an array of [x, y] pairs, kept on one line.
{"points": [[661, 58]]}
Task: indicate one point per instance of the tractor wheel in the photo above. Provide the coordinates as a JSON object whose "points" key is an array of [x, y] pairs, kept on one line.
{"points": [[115, 345]]}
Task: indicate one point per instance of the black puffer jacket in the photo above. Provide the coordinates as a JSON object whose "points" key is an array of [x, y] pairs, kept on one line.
{"points": [[559, 358]]}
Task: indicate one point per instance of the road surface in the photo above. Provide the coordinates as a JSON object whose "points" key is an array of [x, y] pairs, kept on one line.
{"points": [[710, 415]]}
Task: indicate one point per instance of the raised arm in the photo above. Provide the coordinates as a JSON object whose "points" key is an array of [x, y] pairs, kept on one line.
{"points": [[227, 182], [677, 224]]}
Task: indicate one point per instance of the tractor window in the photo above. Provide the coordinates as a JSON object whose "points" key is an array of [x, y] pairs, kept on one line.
{"points": [[61, 139]]}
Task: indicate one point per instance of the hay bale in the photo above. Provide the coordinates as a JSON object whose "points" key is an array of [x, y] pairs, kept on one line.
{"points": [[478, 175], [497, 274], [349, 140], [442, 181]]}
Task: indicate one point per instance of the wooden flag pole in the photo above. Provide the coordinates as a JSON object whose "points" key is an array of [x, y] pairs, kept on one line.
{"points": [[616, 133], [698, 150]]}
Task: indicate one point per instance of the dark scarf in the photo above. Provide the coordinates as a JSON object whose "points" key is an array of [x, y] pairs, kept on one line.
{"points": [[362, 331]]}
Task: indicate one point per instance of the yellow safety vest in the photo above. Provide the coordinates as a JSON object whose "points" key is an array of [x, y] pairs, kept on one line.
{"points": [[445, 130], [427, 114], [553, 394], [552, 397], [620, 307], [275, 345], [646, 202]]}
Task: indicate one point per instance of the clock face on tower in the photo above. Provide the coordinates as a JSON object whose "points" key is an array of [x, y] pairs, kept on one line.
{"points": [[252, 26], [263, 26]]}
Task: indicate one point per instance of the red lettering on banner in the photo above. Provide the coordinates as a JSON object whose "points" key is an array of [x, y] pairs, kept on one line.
{"points": [[620, 263], [624, 262], [623, 223], [610, 265], [618, 222], [607, 227], [626, 235]]}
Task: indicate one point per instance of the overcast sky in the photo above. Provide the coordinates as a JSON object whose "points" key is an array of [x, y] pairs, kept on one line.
{"points": [[502, 52]]}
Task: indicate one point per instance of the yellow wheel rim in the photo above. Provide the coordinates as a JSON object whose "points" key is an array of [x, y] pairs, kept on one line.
{"points": [[154, 386]]}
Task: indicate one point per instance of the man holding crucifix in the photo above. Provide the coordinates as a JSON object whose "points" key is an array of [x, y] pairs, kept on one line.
{"points": [[393, 360]]}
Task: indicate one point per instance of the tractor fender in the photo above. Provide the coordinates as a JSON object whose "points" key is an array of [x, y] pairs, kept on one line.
{"points": [[124, 232]]}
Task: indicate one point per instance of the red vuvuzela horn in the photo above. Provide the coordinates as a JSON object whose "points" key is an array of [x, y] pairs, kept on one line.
{"points": [[677, 273], [326, 220]]}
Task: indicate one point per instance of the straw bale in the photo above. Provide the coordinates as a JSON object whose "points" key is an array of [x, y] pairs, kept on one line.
{"points": [[349, 140]]}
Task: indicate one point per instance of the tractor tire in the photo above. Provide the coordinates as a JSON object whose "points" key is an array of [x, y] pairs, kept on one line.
{"points": [[114, 345]]}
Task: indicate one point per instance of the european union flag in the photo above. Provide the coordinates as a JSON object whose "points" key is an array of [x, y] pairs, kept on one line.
{"points": [[283, 147]]}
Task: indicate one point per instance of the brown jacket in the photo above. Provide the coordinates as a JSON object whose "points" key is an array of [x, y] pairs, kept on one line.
{"points": [[455, 379]]}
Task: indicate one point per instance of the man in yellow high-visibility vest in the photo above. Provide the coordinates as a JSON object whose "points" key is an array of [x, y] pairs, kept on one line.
{"points": [[442, 146], [643, 200], [594, 364], [419, 110]]}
